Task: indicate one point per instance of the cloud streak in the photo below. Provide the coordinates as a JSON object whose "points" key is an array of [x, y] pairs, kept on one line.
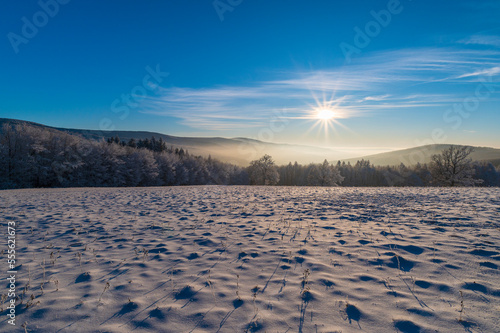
{"points": [[380, 82], [481, 40]]}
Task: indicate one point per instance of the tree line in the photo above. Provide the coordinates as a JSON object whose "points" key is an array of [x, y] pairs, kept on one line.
{"points": [[362, 173], [41, 157], [153, 144]]}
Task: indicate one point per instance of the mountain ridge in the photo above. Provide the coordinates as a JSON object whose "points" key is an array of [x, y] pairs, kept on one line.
{"points": [[423, 154], [238, 151], [242, 150]]}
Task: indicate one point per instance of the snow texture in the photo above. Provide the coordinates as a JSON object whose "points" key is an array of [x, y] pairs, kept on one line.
{"points": [[256, 259]]}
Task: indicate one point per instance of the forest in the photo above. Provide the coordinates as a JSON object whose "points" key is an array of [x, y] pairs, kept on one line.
{"points": [[33, 157]]}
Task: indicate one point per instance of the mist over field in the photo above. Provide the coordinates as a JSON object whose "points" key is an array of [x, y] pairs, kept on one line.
{"points": [[37, 156]]}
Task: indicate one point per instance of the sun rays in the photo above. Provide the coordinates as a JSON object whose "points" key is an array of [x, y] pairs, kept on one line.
{"points": [[326, 115]]}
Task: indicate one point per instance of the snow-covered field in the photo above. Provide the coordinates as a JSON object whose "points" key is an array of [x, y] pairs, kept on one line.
{"points": [[266, 259]]}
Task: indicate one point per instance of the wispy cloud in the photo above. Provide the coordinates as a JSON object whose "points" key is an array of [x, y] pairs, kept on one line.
{"points": [[380, 82], [484, 72], [481, 40], [375, 98]]}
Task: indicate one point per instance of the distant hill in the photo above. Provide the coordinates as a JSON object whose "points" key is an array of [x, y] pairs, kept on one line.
{"points": [[423, 154], [238, 151], [241, 151]]}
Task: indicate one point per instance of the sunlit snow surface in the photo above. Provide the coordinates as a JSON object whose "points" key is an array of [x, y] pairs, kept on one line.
{"points": [[308, 259]]}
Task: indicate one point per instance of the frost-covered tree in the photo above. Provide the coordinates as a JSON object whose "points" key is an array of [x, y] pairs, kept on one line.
{"points": [[263, 171], [313, 175], [181, 174], [142, 168], [453, 167], [33, 156], [364, 173], [15, 159], [330, 176], [487, 173], [166, 168], [24, 151], [323, 174]]}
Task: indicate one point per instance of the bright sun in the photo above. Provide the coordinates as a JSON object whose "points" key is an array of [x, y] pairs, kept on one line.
{"points": [[325, 114]]}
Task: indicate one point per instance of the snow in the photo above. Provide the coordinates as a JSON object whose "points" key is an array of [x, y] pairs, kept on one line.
{"points": [[301, 259]]}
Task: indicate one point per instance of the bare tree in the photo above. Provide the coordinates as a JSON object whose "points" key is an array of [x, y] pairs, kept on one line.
{"points": [[263, 171], [453, 167]]}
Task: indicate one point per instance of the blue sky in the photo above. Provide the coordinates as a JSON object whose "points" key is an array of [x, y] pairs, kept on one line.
{"points": [[393, 74]]}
